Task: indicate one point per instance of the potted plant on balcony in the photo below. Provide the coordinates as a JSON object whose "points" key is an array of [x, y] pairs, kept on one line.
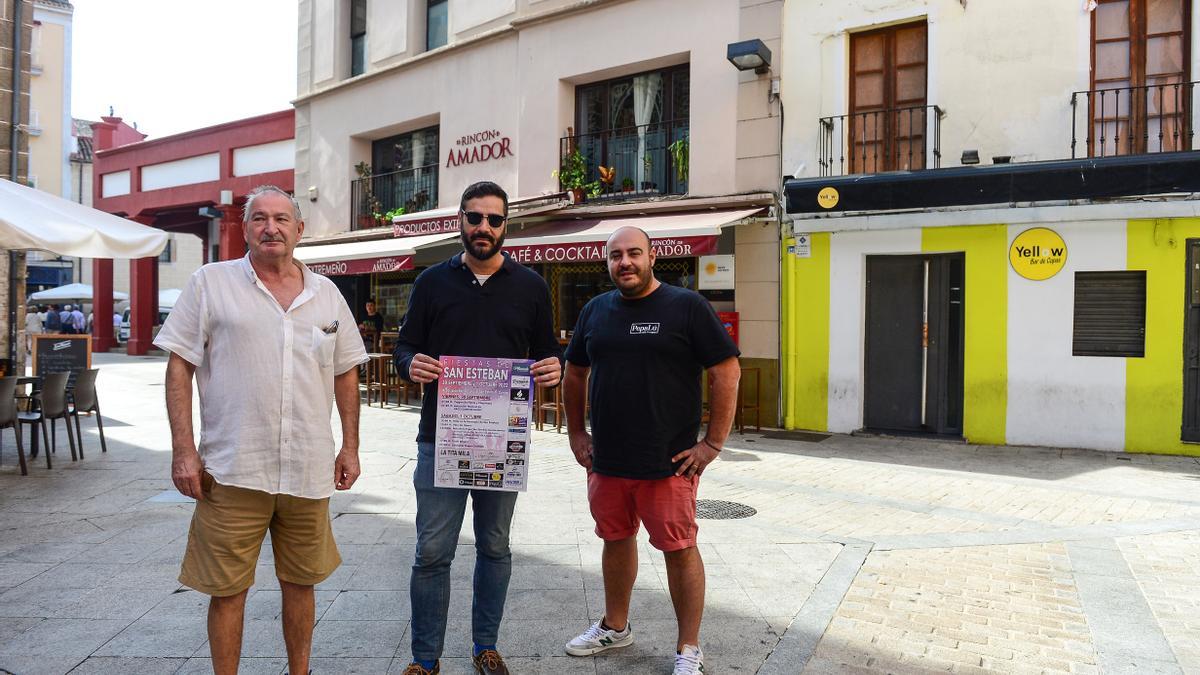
{"points": [[386, 219], [627, 184], [648, 168], [572, 175], [680, 151], [369, 208]]}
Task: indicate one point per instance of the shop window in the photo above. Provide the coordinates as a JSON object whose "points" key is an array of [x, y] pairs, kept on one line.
{"points": [[168, 252], [888, 98], [391, 292], [358, 37], [437, 23], [1110, 314], [573, 285], [630, 124], [1139, 100]]}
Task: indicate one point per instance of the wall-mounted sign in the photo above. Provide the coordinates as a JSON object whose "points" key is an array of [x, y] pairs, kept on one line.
{"points": [[674, 247], [481, 146], [1038, 253], [416, 227], [828, 198], [803, 245], [392, 263], [716, 273]]}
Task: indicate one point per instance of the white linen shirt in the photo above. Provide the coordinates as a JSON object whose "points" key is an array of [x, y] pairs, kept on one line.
{"points": [[265, 375]]}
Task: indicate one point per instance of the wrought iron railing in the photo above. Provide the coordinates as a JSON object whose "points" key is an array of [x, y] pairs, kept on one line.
{"points": [[1133, 120], [893, 139], [645, 159], [373, 197]]}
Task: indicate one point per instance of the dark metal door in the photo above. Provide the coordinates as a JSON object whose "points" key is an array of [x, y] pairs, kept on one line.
{"points": [[893, 375], [1191, 346], [914, 344]]}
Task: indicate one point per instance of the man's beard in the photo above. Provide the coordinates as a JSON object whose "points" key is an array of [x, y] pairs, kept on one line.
{"points": [[644, 279], [481, 255]]}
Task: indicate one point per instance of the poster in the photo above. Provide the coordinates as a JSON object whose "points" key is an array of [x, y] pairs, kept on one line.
{"points": [[484, 413]]}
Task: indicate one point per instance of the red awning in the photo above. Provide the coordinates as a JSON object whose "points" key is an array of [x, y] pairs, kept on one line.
{"points": [[680, 235], [366, 257]]}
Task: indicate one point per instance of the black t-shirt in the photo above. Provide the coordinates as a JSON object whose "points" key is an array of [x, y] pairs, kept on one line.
{"points": [[374, 322], [646, 357], [450, 313]]}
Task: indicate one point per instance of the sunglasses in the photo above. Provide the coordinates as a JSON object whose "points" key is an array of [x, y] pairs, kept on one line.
{"points": [[475, 218]]}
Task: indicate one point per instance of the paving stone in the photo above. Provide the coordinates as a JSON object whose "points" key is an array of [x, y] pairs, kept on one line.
{"points": [[38, 665], [123, 664], [63, 637], [246, 666], [358, 639], [178, 636], [369, 606]]}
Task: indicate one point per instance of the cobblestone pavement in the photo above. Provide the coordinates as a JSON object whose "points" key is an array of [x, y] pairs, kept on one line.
{"points": [[866, 555]]}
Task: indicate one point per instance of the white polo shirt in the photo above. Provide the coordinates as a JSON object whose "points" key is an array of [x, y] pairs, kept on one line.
{"points": [[265, 375]]}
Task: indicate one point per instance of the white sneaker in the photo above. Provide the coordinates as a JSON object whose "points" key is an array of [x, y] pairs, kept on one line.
{"points": [[598, 638], [690, 661]]}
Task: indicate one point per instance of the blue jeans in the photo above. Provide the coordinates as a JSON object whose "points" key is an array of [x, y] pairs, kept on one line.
{"points": [[439, 518]]}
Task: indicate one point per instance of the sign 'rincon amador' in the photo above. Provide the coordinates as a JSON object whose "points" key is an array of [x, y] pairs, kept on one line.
{"points": [[481, 146]]}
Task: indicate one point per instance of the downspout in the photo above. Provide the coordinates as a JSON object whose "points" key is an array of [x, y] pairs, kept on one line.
{"points": [[13, 165]]}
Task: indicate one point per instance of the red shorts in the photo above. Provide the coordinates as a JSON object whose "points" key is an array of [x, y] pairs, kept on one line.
{"points": [[667, 506]]}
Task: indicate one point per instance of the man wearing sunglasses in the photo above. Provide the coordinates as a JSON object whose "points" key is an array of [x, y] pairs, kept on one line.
{"points": [[478, 303]]}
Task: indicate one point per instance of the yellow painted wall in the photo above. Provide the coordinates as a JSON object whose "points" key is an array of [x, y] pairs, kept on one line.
{"points": [[806, 336], [46, 92], [985, 341], [1154, 384]]}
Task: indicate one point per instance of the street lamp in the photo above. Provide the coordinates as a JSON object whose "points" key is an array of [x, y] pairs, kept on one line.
{"points": [[749, 55]]}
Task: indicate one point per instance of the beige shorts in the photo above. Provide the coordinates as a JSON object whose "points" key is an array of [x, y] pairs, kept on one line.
{"points": [[228, 528]]}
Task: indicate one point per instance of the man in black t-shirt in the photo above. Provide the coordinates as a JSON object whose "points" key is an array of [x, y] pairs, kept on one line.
{"points": [[646, 345], [478, 303], [372, 320]]}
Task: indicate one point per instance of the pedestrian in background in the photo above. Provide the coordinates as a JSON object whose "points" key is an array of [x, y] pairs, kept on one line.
{"points": [[78, 321], [266, 457], [33, 326], [478, 303], [645, 345], [53, 320], [64, 320]]}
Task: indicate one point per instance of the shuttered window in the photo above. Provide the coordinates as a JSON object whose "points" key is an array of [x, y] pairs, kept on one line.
{"points": [[1110, 314]]}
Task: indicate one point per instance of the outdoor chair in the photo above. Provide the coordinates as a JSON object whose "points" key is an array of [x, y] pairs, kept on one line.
{"points": [[84, 400], [52, 405], [9, 418], [548, 400]]}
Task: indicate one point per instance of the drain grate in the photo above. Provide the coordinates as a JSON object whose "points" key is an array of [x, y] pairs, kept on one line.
{"points": [[715, 509]]}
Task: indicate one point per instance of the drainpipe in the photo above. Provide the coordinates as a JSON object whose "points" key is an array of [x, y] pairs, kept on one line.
{"points": [[14, 164]]}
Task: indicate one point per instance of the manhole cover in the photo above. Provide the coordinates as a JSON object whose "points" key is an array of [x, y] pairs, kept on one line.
{"points": [[715, 509]]}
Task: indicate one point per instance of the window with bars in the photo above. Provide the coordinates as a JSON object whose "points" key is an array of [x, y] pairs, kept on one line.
{"points": [[888, 98], [1140, 97]]}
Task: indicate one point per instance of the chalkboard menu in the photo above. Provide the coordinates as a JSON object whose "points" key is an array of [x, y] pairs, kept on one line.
{"points": [[61, 353]]}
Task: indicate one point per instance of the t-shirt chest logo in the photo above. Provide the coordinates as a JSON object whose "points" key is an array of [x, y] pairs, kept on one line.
{"points": [[643, 329]]}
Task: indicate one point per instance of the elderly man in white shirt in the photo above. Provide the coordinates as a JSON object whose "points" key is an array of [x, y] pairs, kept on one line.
{"points": [[271, 346]]}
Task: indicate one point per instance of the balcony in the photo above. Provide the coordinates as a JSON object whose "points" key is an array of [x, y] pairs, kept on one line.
{"points": [[1132, 120], [892, 139], [651, 159], [375, 199]]}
